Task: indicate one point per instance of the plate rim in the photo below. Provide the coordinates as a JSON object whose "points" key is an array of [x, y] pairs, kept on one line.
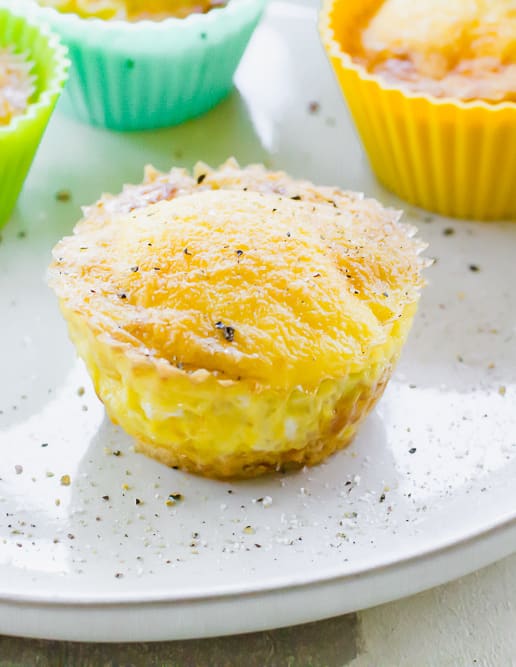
{"points": [[272, 585]]}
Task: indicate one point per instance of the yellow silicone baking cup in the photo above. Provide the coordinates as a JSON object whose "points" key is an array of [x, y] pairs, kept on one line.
{"points": [[452, 157]]}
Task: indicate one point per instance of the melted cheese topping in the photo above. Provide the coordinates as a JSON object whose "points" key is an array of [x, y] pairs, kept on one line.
{"points": [[16, 85], [464, 49], [280, 282], [133, 10]]}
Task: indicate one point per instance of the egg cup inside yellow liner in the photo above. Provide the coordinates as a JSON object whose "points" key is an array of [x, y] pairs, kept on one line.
{"points": [[452, 157], [233, 332]]}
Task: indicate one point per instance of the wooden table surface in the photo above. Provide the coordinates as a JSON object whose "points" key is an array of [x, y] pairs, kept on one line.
{"points": [[468, 622]]}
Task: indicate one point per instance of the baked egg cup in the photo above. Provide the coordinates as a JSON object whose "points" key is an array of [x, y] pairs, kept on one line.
{"points": [[237, 321]]}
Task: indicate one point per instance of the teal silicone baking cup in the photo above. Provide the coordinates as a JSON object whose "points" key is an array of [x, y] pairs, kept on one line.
{"points": [[150, 74], [19, 139]]}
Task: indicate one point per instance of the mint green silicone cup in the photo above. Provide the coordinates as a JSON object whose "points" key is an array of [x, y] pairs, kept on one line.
{"points": [[150, 74], [19, 139]]}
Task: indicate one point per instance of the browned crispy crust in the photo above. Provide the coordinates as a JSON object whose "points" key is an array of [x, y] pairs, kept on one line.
{"points": [[349, 414]]}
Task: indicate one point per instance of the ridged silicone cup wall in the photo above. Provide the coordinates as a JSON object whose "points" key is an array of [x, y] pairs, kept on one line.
{"points": [[145, 74], [19, 139], [455, 158]]}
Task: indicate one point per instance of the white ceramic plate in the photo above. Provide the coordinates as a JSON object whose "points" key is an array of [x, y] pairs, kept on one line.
{"points": [[426, 493]]}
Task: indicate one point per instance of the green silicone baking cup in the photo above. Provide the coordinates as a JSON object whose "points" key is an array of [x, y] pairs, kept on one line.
{"points": [[150, 74], [19, 139]]}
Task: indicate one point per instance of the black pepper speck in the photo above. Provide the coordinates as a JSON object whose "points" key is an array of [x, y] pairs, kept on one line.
{"points": [[63, 196], [227, 331]]}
